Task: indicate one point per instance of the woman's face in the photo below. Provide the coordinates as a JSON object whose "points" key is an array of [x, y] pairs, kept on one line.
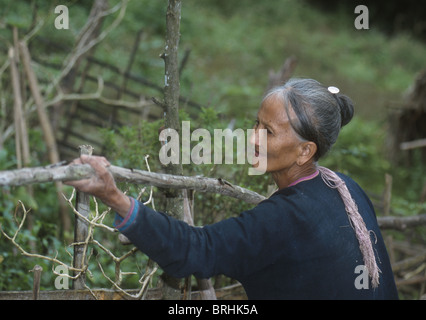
{"points": [[283, 146]]}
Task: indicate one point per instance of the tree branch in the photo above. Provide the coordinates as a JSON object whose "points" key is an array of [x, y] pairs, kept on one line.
{"points": [[202, 184], [83, 47], [80, 271], [401, 223], [77, 172], [97, 96]]}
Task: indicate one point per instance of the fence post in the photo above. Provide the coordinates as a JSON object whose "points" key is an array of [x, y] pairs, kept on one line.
{"points": [[81, 228], [36, 282]]}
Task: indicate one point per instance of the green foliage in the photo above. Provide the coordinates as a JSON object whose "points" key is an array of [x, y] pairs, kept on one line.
{"points": [[41, 238], [411, 179], [233, 46], [256, 36], [359, 152], [129, 145]]}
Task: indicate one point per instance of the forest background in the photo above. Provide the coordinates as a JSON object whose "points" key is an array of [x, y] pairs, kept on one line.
{"points": [[231, 46]]}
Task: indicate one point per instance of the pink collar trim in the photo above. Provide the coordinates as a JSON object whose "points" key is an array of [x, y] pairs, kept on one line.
{"points": [[304, 179]]}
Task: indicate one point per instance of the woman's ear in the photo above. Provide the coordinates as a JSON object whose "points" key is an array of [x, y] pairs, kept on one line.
{"points": [[307, 151]]}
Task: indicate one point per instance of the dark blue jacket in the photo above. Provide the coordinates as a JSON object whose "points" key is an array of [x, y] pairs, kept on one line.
{"points": [[298, 244]]}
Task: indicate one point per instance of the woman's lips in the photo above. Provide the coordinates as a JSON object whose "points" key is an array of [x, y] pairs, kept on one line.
{"points": [[258, 154]]}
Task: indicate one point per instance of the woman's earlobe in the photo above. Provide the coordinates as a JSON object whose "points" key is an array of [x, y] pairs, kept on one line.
{"points": [[308, 150], [312, 149]]}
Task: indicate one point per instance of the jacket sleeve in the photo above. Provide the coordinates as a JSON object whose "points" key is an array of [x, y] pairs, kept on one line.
{"points": [[234, 247]]}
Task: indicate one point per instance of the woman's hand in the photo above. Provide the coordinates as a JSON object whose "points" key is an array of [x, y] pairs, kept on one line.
{"points": [[101, 185]]}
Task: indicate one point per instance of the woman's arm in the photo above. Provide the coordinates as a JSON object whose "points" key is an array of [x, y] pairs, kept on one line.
{"points": [[234, 247]]}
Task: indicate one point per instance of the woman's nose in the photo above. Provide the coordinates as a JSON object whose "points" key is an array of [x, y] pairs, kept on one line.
{"points": [[254, 137]]}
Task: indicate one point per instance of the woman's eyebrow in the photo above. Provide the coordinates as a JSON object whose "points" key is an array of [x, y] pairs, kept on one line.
{"points": [[268, 126]]}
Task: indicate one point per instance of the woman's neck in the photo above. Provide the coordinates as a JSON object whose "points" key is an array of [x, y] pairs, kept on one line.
{"points": [[294, 175]]}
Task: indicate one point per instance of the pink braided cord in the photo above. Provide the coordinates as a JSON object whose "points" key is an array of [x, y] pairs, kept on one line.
{"points": [[332, 180]]}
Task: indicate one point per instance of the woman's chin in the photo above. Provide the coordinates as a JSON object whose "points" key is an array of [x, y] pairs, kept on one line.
{"points": [[259, 165]]}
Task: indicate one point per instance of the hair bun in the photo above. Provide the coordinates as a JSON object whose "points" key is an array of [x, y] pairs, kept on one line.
{"points": [[346, 108]]}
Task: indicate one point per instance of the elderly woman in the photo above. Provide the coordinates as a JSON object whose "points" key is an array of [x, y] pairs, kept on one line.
{"points": [[315, 238]]}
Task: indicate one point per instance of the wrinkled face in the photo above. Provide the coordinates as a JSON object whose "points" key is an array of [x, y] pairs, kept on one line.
{"points": [[283, 144]]}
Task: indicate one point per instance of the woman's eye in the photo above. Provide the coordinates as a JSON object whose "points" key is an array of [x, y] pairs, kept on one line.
{"points": [[256, 125]]}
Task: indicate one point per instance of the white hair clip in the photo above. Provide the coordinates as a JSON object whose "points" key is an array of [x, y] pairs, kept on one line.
{"points": [[333, 90]]}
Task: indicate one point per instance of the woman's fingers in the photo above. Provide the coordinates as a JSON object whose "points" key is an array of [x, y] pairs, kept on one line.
{"points": [[101, 184], [94, 160], [97, 184]]}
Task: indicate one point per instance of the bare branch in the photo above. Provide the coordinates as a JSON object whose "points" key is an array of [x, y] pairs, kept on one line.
{"points": [[77, 172], [79, 272], [84, 47], [420, 143], [143, 281], [202, 184], [97, 96], [23, 251], [46, 126], [401, 223]]}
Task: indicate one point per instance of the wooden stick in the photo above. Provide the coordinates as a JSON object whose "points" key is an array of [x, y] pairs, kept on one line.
{"points": [[81, 229], [36, 283], [205, 286], [401, 223], [201, 184], [48, 133], [235, 291], [409, 262], [58, 172], [413, 144], [21, 132], [49, 136]]}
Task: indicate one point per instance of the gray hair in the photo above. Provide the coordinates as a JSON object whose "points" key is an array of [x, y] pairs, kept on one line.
{"points": [[320, 113]]}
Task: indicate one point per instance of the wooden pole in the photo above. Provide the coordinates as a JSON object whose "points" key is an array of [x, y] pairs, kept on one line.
{"points": [[48, 133], [174, 198], [174, 205], [420, 143], [81, 229], [205, 286], [21, 134], [36, 282], [49, 136], [59, 172]]}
